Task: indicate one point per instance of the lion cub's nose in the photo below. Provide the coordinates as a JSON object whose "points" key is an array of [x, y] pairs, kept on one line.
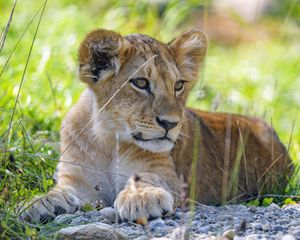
{"points": [[166, 124]]}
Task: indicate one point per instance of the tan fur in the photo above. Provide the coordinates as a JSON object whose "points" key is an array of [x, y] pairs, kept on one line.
{"points": [[106, 159]]}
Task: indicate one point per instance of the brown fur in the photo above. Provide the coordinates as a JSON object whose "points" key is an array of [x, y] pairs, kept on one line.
{"points": [[115, 149], [262, 161]]}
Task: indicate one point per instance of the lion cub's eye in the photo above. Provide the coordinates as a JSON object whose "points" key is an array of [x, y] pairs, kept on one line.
{"points": [[179, 85], [141, 83]]}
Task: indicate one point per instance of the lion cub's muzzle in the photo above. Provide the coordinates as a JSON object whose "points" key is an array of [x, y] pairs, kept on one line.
{"points": [[157, 135]]}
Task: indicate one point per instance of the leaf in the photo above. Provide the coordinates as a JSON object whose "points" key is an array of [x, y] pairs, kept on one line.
{"points": [[27, 231], [288, 201], [87, 207], [254, 203], [267, 201]]}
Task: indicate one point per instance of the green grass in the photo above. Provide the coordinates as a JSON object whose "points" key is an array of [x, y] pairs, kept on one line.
{"points": [[256, 78]]}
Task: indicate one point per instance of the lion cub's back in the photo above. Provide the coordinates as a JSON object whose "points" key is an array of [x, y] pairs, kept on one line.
{"points": [[236, 156]]}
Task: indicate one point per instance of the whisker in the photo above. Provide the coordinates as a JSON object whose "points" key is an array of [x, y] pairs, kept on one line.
{"points": [[113, 120], [91, 76], [184, 135]]}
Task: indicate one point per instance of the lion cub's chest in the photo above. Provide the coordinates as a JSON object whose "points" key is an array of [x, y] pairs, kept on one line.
{"points": [[110, 175], [123, 168]]}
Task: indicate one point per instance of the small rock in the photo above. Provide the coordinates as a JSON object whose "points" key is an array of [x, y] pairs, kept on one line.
{"points": [[260, 212], [195, 222], [92, 231], [158, 227], [242, 208], [203, 229], [294, 207], [65, 218], [296, 233], [202, 216], [224, 217], [257, 226], [109, 213], [278, 228], [212, 238], [295, 223], [283, 221], [156, 223], [190, 214], [252, 209], [142, 238], [106, 221], [238, 238], [266, 227], [269, 215], [179, 215], [79, 220], [288, 237], [229, 234], [181, 233], [160, 238], [252, 237], [170, 222], [273, 206]]}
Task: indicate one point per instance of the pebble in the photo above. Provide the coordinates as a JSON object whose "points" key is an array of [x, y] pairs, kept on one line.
{"points": [[171, 222], [231, 222], [283, 221], [64, 218], [180, 215], [266, 227], [141, 238], [295, 223], [257, 226], [79, 220], [106, 221], [158, 222], [273, 206], [91, 231], [229, 234], [108, 213], [181, 233], [278, 228], [288, 237], [296, 233], [203, 229]]}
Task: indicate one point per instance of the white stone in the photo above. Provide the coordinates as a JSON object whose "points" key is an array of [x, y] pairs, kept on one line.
{"points": [[109, 213], [288, 237], [181, 233], [229, 234], [92, 231]]}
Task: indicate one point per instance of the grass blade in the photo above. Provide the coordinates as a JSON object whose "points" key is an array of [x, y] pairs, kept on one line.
{"points": [[19, 40], [22, 79], [4, 34]]}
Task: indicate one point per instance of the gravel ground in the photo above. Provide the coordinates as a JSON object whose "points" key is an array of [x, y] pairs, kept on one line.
{"points": [[207, 222]]}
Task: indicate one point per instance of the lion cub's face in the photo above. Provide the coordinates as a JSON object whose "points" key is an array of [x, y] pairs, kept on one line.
{"points": [[140, 84]]}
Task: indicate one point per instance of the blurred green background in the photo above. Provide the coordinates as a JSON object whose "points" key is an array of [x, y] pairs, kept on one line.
{"points": [[252, 67]]}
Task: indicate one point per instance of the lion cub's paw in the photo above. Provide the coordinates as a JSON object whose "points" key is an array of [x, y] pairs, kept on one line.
{"points": [[143, 202], [45, 209]]}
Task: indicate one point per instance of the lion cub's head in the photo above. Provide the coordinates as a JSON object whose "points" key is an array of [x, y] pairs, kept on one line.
{"points": [[140, 85]]}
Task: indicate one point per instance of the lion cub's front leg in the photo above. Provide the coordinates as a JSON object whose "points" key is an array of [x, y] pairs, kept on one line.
{"points": [[45, 208], [145, 196]]}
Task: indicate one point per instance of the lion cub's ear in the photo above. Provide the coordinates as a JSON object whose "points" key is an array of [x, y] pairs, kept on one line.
{"points": [[100, 55], [190, 49]]}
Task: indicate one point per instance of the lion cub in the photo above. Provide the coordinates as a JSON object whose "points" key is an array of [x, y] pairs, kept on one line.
{"points": [[130, 137]]}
